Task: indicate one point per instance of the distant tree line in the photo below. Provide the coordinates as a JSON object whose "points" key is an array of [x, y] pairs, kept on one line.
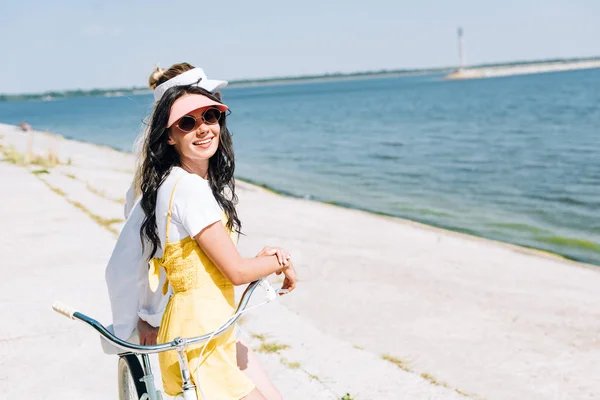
{"points": [[336, 75], [72, 93]]}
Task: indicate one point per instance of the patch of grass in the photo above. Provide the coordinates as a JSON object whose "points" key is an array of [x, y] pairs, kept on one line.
{"points": [[40, 171], [259, 336], [95, 191], [48, 161], [431, 379], [71, 176], [398, 362], [347, 396], [313, 377], [103, 222], [102, 194], [12, 156], [57, 191], [272, 347], [428, 377], [290, 365]]}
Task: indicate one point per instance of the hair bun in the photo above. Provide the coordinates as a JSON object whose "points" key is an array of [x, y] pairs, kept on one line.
{"points": [[155, 76]]}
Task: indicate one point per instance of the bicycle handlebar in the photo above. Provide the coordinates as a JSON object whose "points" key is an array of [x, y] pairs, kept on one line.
{"points": [[64, 309], [158, 348]]}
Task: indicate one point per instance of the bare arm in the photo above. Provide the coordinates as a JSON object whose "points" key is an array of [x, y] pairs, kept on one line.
{"points": [[216, 243]]}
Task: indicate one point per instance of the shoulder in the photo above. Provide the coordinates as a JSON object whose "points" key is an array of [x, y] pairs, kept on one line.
{"points": [[194, 205], [173, 181], [192, 186], [191, 192]]}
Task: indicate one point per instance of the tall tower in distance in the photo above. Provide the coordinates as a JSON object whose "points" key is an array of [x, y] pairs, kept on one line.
{"points": [[461, 53]]}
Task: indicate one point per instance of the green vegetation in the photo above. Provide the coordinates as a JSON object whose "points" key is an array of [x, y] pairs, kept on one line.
{"points": [[290, 365], [259, 336], [347, 396], [428, 377], [52, 95], [100, 193], [12, 156], [106, 223], [272, 347], [56, 190], [103, 222], [434, 381], [571, 242], [431, 379], [398, 362], [313, 377]]}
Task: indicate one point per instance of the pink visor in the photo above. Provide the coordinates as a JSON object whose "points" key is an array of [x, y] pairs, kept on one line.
{"points": [[190, 102]]}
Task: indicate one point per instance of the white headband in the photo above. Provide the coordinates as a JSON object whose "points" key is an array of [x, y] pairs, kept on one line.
{"points": [[195, 77]]}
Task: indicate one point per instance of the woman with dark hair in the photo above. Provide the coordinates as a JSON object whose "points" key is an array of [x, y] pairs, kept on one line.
{"points": [[188, 198]]}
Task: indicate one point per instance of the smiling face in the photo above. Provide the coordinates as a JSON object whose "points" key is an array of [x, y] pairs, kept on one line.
{"points": [[196, 147]]}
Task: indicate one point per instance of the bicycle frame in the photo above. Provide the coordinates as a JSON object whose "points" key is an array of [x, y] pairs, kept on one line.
{"points": [[178, 344]]}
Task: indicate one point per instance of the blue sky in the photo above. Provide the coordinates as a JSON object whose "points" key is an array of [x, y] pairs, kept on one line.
{"points": [[55, 45]]}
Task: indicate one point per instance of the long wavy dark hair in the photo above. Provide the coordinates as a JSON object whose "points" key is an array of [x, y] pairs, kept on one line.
{"points": [[161, 157]]}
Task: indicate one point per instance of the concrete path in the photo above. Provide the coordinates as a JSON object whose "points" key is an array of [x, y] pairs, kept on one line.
{"points": [[385, 309]]}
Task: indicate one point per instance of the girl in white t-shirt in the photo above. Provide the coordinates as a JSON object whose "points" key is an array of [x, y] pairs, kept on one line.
{"points": [[188, 200]]}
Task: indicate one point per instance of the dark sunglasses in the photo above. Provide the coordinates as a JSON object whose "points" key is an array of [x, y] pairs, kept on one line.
{"points": [[188, 123]]}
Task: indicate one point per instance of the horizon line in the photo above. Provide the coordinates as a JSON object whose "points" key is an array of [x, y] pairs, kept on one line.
{"points": [[325, 75]]}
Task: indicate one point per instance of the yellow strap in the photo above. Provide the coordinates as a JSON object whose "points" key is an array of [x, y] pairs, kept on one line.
{"points": [[156, 263], [169, 213]]}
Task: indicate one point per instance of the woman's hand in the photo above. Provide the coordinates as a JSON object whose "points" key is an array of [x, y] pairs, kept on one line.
{"points": [[284, 259], [283, 256], [289, 283], [147, 333]]}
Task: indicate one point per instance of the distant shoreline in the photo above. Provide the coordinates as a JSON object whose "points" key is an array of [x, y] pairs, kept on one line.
{"points": [[471, 72], [522, 69], [55, 95]]}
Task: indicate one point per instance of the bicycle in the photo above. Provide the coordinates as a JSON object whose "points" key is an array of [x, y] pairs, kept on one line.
{"points": [[135, 378]]}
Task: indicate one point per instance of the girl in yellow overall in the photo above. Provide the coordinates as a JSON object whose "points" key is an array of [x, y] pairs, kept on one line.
{"points": [[188, 197]]}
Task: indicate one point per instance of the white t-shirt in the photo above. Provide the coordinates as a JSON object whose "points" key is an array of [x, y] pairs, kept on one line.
{"points": [[194, 206]]}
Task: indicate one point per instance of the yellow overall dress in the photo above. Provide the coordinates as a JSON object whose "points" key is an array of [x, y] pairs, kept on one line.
{"points": [[203, 299]]}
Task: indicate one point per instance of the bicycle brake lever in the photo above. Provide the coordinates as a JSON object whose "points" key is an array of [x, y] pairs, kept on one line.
{"points": [[269, 290]]}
